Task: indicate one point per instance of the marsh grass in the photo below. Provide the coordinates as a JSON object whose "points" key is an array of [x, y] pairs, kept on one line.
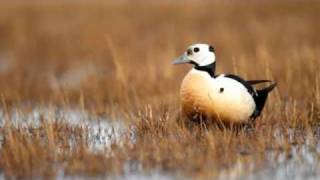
{"points": [[114, 61]]}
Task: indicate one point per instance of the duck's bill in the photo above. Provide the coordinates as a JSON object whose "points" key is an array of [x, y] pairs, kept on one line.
{"points": [[181, 60]]}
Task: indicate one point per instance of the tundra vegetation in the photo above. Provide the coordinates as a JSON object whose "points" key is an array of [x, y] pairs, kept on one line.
{"points": [[88, 89]]}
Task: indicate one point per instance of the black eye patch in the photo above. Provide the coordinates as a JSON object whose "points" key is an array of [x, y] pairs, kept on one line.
{"points": [[196, 49], [211, 49]]}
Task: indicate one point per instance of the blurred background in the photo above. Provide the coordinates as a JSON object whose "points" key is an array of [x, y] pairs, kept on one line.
{"points": [[114, 58], [109, 50]]}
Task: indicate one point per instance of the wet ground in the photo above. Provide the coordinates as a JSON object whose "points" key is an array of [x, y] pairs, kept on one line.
{"points": [[302, 162]]}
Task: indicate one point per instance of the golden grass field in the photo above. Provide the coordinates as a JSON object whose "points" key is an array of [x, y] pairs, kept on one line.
{"points": [[111, 62]]}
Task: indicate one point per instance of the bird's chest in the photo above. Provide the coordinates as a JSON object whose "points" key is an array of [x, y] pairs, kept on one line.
{"points": [[195, 93]]}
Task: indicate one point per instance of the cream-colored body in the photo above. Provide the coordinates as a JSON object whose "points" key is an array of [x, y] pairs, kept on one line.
{"points": [[201, 94]]}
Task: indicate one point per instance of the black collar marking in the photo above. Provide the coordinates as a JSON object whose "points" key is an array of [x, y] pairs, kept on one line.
{"points": [[211, 68]]}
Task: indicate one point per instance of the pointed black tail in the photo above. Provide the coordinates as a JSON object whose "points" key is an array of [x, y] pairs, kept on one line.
{"points": [[261, 98], [252, 82]]}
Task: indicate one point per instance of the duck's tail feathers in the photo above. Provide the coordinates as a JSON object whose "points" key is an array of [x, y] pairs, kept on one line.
{"points": [[261, 98], [268, 89], [252, 82]]}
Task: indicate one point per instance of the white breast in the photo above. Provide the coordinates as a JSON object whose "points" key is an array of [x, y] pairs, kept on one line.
{"points": [[219, 98]]}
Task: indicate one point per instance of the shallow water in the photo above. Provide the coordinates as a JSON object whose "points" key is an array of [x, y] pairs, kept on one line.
{"points": [[102, 132]]}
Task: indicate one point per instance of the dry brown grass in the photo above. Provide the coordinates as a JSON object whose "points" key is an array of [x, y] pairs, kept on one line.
{"points": [[114, 60]]}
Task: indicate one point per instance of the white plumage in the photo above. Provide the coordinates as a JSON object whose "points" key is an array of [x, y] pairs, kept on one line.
{"points": [[218, 98], [224, 98]]}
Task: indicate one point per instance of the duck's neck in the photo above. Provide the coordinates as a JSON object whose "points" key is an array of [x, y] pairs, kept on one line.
{"points": [[211, 68]]}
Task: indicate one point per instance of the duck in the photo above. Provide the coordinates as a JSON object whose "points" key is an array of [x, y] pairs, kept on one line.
{"points": [[224, 98]]}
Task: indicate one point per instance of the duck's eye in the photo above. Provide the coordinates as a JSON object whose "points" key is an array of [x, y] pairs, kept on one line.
{"points": [[196, 49], [189, 52], [211, 49]]}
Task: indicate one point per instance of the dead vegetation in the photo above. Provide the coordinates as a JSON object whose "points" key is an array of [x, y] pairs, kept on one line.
{"points": [[114, 60]]}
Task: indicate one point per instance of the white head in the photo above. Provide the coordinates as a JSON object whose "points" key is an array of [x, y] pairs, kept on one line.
{"points": [[198, 54]]}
